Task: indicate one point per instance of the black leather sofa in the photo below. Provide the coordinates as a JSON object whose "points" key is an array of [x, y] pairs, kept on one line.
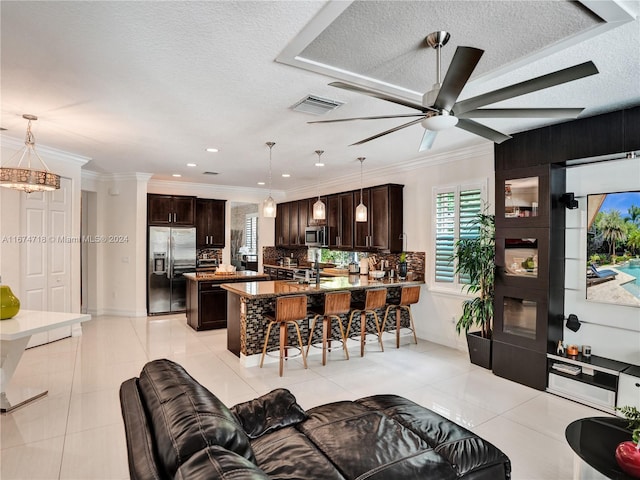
{"points": [[176, 428]]}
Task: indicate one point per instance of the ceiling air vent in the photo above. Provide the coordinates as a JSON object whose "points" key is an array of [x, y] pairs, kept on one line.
{"points": [[316, 105], [210, 173]]}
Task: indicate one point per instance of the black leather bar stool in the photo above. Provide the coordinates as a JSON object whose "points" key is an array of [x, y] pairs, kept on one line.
{"points": [[408, 296], [288, 310], [335, 304], [375, 298]]}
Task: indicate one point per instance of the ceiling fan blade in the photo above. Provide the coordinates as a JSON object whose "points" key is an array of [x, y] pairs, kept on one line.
{"points": [[427, 140], [522, 113], [368, 118], [482, 130], [380, 95], [539, 83], [386, 132], [460, 69]]}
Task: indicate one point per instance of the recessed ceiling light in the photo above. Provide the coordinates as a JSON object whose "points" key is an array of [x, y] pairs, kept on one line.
{"points": [[285, 175], [176, 175], [319, 164], [191, 165], [212, 150], [261, 183]]}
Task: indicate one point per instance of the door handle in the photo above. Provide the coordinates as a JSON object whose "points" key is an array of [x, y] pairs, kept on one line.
{"points": [[174, 218], [169, 218]]}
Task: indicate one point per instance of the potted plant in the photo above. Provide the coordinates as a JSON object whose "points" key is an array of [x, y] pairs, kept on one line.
{"points": [[628, 453], [475, 262]]}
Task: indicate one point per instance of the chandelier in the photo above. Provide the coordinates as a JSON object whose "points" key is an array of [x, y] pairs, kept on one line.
{"points": [[23, 176]]}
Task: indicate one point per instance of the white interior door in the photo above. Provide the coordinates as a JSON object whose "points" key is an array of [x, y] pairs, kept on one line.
{"points": [[46, 255]]}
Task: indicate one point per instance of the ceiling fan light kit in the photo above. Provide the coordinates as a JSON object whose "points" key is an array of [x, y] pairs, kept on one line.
{"points": [[441, 110]]}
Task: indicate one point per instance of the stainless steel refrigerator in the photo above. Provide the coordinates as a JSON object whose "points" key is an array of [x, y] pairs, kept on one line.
{"points": [[172, 252]]}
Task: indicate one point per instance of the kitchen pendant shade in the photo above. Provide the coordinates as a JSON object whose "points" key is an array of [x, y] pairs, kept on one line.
{"points": [[24, 177], [361, 212], [319, 210], [269, 204], [361, 209], [269, 207]]}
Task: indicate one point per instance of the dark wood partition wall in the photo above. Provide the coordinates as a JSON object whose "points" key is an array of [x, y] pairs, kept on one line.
{"points": [[529, 302]]}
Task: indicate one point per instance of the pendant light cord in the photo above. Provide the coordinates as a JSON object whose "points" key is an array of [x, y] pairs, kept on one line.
{"points": [[361, 162], [270, 145]]}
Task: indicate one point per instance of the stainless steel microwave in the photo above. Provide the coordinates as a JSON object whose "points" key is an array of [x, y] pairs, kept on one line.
{"points": [[315, 236]]}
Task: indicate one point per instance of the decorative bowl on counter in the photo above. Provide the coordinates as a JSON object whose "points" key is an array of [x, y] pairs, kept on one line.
{"points": [[377, 274]]}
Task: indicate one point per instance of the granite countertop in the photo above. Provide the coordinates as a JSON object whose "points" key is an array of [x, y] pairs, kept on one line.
{"points": [[209, 276], [291, 287]]}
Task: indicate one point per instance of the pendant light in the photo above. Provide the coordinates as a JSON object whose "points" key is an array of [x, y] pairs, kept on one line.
{"points": [[24, 177], [269, 205], [319, 209], [361, 209]]}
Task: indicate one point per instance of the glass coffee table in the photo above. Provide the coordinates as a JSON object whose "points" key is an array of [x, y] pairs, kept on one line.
{"points": [[594, 441]]}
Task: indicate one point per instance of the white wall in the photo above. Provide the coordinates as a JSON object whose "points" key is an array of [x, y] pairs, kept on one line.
{"points": [[64, 164], [613, 331]]}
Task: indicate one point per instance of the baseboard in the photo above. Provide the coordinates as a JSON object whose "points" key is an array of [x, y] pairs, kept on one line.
{"points": [[116, 312]]}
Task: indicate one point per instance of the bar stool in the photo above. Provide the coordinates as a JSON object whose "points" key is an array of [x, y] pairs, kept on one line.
{"points": [[335, 304], [288, 309], [408, 296], [375, 298]]}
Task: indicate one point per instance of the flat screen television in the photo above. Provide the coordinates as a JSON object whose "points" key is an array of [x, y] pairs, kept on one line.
{"points": [[613, 248]]}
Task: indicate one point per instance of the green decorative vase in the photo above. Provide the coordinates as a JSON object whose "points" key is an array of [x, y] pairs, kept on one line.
{"points": [[9, 303]]}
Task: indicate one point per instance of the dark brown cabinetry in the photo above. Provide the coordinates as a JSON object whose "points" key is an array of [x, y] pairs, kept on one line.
{"points": [[340, 220], [210, 220], [278, 273], [381, 231], [207, 303], [206, 306], [171, 210], [528, 302], [291, 220], [383, 228]]}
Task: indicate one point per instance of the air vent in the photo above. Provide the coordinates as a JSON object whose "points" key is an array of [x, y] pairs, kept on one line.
{"points": [[210, 173], [316, 105]]}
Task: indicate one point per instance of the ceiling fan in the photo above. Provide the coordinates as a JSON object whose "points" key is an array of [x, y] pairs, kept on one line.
{"points": [[440, 109]]}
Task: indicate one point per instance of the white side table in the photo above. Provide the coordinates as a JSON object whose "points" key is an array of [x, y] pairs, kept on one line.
{"points": [[14, 337]]}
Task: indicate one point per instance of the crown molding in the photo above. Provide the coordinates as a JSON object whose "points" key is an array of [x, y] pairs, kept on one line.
{"points": [[213, 186], [373, 176], [48, 152]]}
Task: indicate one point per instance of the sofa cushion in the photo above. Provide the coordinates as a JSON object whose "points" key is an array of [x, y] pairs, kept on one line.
{"points": [[371, 445], [186, 417], [274, 410], [216, 462], [470, 455], [286, 454]]}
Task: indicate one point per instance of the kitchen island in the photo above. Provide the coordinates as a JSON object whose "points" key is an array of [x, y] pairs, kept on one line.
{"points": [[206, 302], [248, 302]]}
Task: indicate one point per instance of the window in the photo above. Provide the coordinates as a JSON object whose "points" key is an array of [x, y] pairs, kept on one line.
{"points": [[251, 233], [455, 209]]}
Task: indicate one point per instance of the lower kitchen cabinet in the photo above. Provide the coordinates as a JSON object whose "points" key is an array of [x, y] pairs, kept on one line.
{"points": [[206, 305], [207, 302]]}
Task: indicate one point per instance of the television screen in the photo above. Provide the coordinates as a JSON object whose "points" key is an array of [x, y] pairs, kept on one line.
{"points": [[613, 248]]}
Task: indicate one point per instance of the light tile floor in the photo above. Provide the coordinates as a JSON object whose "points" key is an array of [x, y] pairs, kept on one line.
{"points": [[76, 431]]}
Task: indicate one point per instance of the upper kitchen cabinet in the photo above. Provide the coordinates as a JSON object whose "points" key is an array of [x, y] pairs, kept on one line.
{"points": [[340, 220], [383, 228], [282, 224], [210, 216], [171, 210], [291, 220]]}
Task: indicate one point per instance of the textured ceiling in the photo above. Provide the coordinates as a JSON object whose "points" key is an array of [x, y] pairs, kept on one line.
{"points": [[147, 86]]}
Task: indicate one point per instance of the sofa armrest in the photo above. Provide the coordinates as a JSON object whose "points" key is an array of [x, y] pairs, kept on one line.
{"points": [[142, 462], [272, 411]]}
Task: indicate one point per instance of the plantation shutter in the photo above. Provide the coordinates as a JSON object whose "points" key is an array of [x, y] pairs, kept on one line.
{"points": [[250, 233], [445, 236], [470, 206]]}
